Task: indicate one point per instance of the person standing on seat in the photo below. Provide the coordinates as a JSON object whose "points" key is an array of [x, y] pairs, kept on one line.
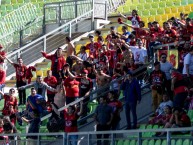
{"points": [[166, 67], [57, 60], [70, 51], [40, 87], [157, 81], [51, 81], [21, 71], [132, 92]]}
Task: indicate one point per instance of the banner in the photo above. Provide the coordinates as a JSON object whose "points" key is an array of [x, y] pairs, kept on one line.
{"points": [[173, 58]]}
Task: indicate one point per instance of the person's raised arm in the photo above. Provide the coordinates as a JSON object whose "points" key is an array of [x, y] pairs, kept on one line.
{"points": [[26, 86], [122, 15], [70, 74], [11, 62], [77, 58], [47, 56], [1, 93]]}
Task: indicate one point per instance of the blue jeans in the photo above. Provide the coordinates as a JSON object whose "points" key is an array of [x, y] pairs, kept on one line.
{"points": [[131, 107], [73, 139], [1, 89]]}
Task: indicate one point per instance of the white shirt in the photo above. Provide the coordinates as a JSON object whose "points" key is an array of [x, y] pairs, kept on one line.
{"points": [[139, 54], [188, 59], [83, 56], [162, 105], [166, 67], [134, 22]]}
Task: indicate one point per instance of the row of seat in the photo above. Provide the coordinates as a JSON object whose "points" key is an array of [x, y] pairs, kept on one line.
{"points": [[155, 142]]}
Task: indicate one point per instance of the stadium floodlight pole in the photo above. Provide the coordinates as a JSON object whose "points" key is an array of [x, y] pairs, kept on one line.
{"points": [[106, 13], [93, 13]]}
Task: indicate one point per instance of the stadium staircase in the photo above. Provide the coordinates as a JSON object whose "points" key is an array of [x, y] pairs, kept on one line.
{"points": [[155, 13]]}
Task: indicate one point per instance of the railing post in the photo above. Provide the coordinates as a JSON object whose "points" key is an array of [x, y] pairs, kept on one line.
{"points": [[45, 44], [38, 143], [59, 15], [168, 138], [106, 13], [44, 20], [64, 139], [20, 38], [139, 138], [89, 138], [70, 30], [93, 13], [112, 139]]}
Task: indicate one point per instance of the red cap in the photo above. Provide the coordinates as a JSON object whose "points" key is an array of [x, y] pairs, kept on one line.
{"points": [[85, 71], [120, 21]]}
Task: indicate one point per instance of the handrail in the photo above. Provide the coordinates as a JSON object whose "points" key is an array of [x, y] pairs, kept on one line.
{"points": [[134, 131], [50, 33], [170, 44]]}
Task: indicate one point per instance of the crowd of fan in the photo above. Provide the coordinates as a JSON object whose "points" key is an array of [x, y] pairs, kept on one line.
{"points": [[118, 55]]}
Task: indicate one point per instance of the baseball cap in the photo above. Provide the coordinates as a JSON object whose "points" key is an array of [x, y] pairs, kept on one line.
{"points": [[84, 71], [91, 36]]}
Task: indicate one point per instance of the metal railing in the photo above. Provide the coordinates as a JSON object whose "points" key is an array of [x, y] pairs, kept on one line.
{"points": [[16, 21], [89, 137], [136, 136], [50, 41]]}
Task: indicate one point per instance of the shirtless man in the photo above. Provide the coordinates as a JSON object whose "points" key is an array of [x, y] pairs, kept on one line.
{"points": [[102, 80], [70, 51]]}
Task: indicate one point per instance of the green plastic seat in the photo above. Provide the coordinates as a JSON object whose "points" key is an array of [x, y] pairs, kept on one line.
{"points": [[126, 9], [132, 142], [152, 142], [6, 2], [158, 142], [145, 142], [145, 12], [162, 4], [190, 1], [169, 3], [147, 6], [140, 7], [184, 2], [177, 3], [154, 5], [164, 142], [186, 142], [153, 12], [120, 142], [173, 142], [126, 142], [179, 142], [142, 1], [149, 1], [190, 114], [160, 11], [190, 15], [133, 7]]}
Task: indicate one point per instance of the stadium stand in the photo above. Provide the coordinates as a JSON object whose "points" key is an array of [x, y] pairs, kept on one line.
{"points": [[149, 11]]}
